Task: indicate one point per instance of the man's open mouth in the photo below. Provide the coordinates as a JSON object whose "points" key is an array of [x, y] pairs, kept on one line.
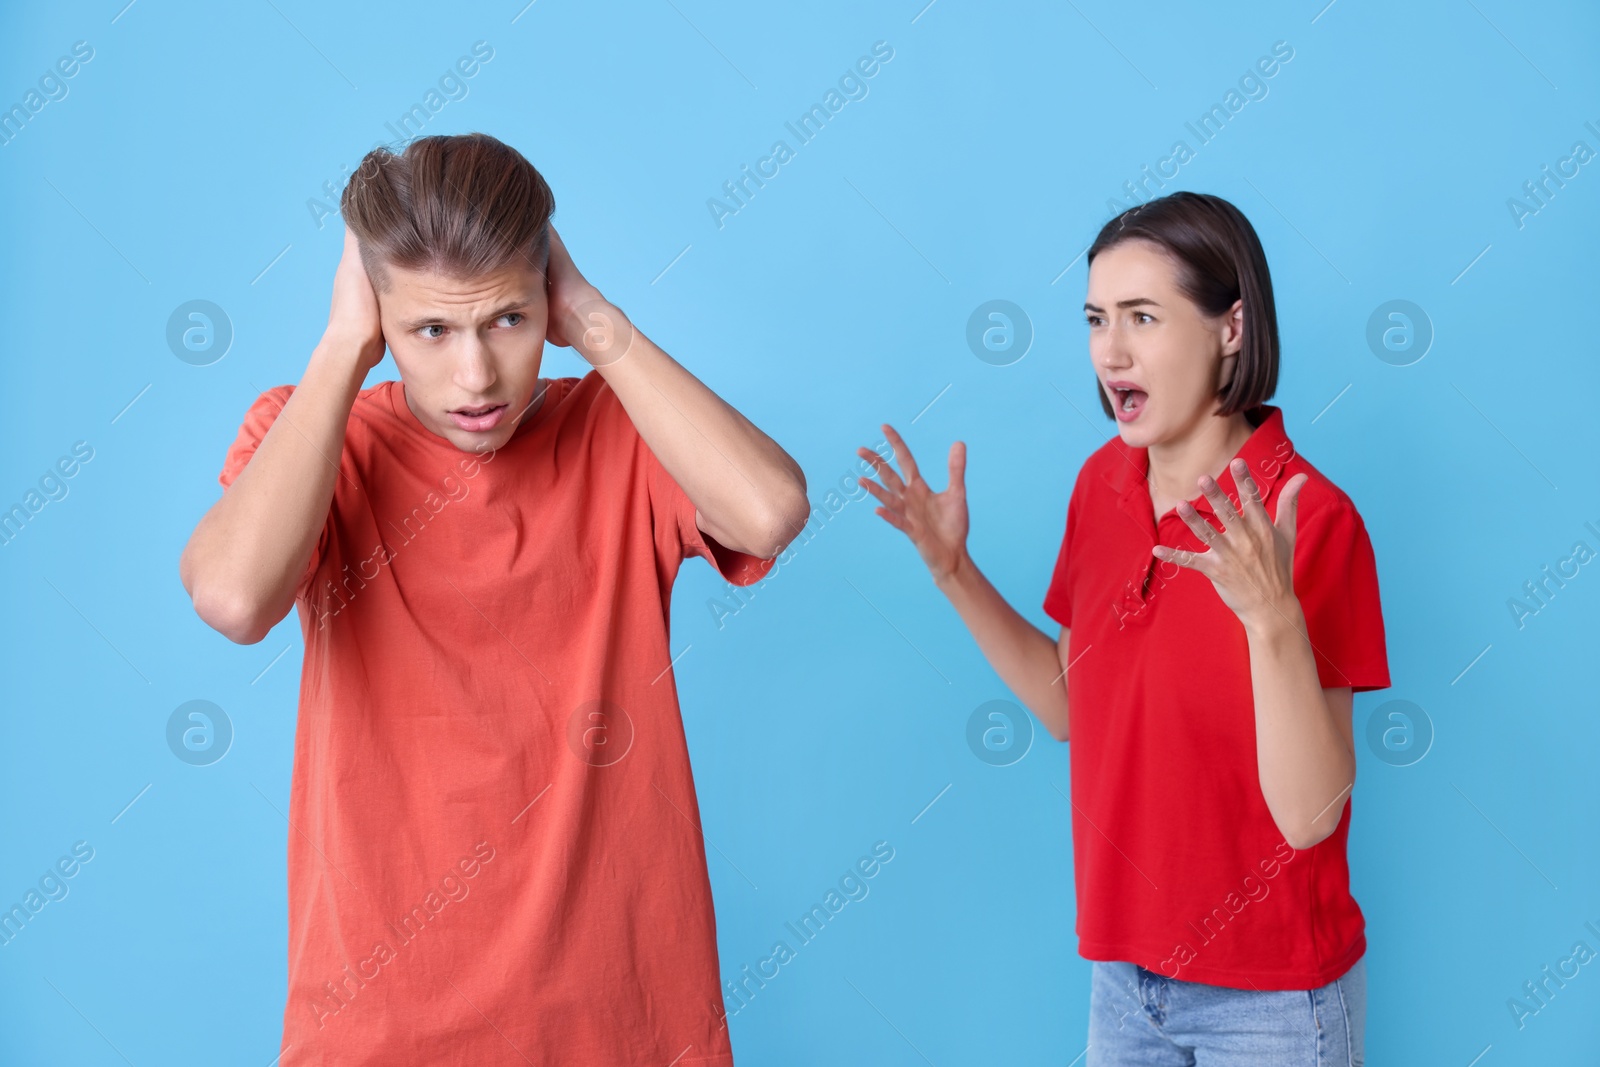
{"points": [[479, 419]]}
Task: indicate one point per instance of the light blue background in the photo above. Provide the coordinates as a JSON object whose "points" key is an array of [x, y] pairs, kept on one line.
{"points": [[831, 710]]}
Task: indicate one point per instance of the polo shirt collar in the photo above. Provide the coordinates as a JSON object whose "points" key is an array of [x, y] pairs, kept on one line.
{"points": [[1266, 452]]}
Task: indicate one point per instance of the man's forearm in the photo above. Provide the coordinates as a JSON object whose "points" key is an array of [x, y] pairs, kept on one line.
{"points": [[248, 552], [751, 494]]}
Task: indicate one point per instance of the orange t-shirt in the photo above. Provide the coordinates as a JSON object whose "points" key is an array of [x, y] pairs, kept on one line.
{"points": [[495, 852]]}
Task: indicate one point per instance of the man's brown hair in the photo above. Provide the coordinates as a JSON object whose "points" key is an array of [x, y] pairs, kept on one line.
{"points": [[461, 205], [1219, 260]]}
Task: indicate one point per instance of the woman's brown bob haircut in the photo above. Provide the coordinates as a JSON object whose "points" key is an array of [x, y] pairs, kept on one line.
{"points": [[1219, 260], [463, 206]]}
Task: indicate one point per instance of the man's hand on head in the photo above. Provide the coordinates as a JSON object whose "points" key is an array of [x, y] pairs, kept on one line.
{"points": [[353, 318], [580, 318]]}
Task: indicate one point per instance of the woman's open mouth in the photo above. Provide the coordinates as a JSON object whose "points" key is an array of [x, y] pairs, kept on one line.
{"points": [[1129, 402], [478, 420]]}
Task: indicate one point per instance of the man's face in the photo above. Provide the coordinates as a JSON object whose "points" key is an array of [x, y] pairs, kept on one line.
{"points": [[466, 347]]}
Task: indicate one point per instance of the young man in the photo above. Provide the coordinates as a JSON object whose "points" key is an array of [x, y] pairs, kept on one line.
{"points": [[495, 852]]}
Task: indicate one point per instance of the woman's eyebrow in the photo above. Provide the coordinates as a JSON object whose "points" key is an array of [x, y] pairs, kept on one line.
{"points": [[1134, 302]]}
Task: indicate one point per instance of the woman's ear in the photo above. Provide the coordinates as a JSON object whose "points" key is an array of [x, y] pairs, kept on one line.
{"points": [[1231, 335], [1233, 329]]}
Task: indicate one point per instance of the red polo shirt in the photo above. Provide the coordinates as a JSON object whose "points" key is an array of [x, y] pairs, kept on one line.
{"points": [[1178, 864]]}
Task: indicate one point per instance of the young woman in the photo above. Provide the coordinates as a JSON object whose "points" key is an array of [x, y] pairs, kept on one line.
{"points": [[1218, 601]]}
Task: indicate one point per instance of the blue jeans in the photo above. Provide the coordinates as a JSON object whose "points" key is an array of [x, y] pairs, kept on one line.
{"points": [[1139, 1018]]}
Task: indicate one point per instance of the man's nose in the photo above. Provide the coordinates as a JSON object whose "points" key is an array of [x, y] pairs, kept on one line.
{"points": [[475, 372]]}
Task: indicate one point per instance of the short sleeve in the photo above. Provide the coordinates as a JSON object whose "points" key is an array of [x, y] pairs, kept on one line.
{"points": [[262, 414], [1058, 597], [1336, 582], [672, 512], [673, 505]]}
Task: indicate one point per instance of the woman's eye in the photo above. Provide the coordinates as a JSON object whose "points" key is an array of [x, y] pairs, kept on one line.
{"points": [[1144, 316]]}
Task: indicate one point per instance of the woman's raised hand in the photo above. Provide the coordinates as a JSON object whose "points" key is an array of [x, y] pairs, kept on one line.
{"points": [[1251, 562], [935, 522]]}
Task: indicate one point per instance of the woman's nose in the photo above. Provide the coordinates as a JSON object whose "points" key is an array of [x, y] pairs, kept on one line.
{"points": [[1111, 354]]}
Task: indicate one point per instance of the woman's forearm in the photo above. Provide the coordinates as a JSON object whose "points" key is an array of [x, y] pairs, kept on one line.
{"points": [[1306, 766], [1024, 656]]}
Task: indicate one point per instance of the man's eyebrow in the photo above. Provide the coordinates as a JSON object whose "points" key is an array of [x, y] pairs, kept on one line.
{"points": [[432, 319], [1135, 302]]}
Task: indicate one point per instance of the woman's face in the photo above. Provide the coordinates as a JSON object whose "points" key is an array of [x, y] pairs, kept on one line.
{"points": [[1147, 337]]}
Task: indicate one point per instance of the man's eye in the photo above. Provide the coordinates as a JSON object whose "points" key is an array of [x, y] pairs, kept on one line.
{"points": [[433, 326], [514, 315]]}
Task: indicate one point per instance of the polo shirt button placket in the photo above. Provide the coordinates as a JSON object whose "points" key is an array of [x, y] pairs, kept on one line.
{"points": [[1141, 595], [1130, 605], [1175, 532]]}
